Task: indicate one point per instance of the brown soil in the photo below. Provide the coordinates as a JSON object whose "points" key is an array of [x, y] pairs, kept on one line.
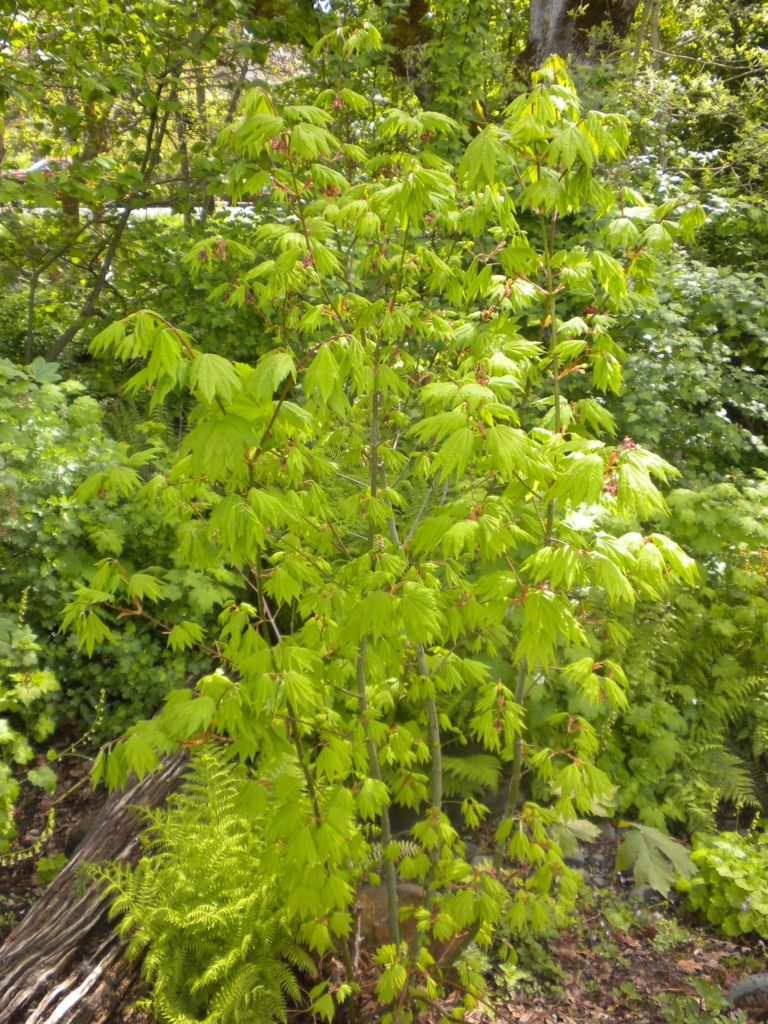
{"points": [[617, 976], [75, 803]]}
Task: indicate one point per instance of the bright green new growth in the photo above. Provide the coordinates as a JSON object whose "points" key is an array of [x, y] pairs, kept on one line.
{"points": [[731, 888], [429, 527], [203, 911]]}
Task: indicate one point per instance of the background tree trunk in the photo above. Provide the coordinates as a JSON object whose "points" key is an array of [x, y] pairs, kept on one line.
{"points": [[63, 964], [563, 26]]}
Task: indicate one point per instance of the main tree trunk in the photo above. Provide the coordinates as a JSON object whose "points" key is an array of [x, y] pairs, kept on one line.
{"points": [[564, 26]]}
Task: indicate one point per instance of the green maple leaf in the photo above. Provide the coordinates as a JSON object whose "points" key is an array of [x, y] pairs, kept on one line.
{"points": [[456, 453], [374, 614], [184, 634], [322, 374], [419, 611], [657, 858], [186, 718], [139, 755], [546, 192], [509, 449], [610, 274], [478, 165], [213, 376], [217, 445], [269, 374], [581, 481], [252, 801], [144, 584], [569, 144], [166, 356]]}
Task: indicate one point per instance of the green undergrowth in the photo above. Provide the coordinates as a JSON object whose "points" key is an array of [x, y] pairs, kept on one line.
{"points": [[731, 887]]}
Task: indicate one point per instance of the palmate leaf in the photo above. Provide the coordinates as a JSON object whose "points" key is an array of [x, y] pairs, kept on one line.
{"points": [[397, 121], [569, 144], [44, 777], [462, 534], [87, 624], [139, 755], [309, 140], [121, 480], [252, 801], [509, 449], [444, 423], [581, 481], [608, 573], [213, 377], [235, 525], [481, 157], [419, 611], [691, 219], [657, 858], [146, 584], [217, 445], [455, 453], [657, 238], [681, 563], [257, 129], [322, 373], [166, 357], [548, 620], [562, 565], [269, 374], [43, 372], [184, 635], [111, 335], [637, 492], [610, 274], [546, 193], [185, 718], [375, 614]]}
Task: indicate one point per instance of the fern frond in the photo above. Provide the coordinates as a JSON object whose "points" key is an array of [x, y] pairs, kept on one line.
{"points": [[471, 775], [209, 919]]}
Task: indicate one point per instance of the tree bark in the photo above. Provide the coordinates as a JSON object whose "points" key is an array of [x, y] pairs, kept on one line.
{"points": [[641, 34], [93, 296], [563, 26], [63, 964], [30, 319], [655, 33]]}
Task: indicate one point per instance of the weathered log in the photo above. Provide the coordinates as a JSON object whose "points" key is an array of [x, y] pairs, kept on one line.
{"points": [[63, 964]]}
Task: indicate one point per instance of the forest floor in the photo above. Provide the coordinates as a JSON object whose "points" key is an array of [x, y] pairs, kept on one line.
{"points": [[663, 967], [628, 956], [76, 806]]}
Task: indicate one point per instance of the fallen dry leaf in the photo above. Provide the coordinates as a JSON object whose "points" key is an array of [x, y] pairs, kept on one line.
{"points": [[689, 966]]}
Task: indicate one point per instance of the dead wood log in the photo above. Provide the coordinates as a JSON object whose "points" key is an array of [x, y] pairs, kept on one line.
{"points": [[63, 964]]}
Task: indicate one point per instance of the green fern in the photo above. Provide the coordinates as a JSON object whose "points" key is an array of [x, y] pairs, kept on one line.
{"points": [[472, 775], [697, 733], [714, 775], [127, 421], [208, 918]]}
